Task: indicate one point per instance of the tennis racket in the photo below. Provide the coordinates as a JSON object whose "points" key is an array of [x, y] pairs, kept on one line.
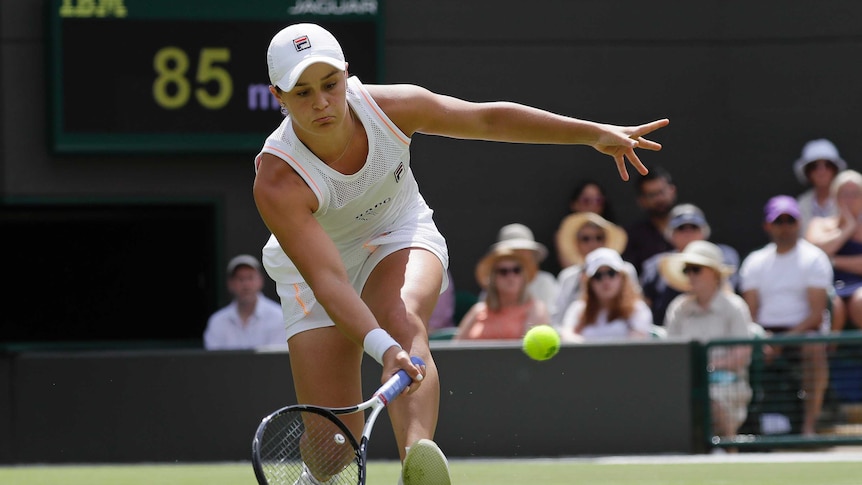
{"points": [[308, 445]]}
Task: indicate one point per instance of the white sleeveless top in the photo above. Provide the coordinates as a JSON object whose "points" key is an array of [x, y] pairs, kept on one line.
{"points": [[379, 204]]}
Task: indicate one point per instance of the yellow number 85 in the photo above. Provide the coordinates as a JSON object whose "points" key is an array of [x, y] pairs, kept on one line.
{"points": [[172, 64]]}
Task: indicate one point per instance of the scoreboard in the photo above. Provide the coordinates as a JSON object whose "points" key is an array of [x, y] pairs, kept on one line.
{"points": [[138, 76]]}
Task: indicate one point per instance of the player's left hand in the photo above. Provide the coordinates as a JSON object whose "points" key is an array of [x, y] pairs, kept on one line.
{"points": [[620, 142]]}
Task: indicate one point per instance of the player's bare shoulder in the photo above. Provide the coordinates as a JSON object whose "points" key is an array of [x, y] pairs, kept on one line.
{"points": [[405, 104], [277, 183]]}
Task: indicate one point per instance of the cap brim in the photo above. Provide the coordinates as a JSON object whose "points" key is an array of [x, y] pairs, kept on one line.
{"points": [[291, 78]]}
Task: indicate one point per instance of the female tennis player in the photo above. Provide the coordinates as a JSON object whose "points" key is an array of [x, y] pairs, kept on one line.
{"points": [[357, 259]]}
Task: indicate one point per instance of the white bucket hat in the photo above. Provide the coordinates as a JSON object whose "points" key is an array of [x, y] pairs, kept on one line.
{"points": [[820, 149]]}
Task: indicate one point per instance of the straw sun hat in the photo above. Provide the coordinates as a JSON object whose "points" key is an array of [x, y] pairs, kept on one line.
{"points": [[697, 253], [519, 236], [486, 264], [615, 236]]}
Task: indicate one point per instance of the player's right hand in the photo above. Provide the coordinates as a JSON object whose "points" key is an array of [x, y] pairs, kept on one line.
{"points": [[396, 359]]}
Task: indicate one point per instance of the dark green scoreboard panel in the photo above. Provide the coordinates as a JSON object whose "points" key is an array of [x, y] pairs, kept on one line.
{"points": [[132, 76]]}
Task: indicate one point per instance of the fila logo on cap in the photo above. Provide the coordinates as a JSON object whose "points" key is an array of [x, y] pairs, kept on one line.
{"points": [[301, 43]]}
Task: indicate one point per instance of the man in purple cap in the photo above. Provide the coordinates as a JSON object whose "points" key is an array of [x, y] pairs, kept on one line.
{"points": [[786, 285]]}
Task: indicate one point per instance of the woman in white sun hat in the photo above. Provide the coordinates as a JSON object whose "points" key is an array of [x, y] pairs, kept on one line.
{"points": [[816, 169], [356, 256], [609, 306]]}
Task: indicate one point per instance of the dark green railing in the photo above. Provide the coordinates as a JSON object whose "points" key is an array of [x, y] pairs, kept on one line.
{"points": [[776, 387]]}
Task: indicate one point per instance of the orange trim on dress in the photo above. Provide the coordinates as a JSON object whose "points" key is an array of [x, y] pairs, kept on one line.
{"points": [[305, 310], [384, 119], [308, 179]]}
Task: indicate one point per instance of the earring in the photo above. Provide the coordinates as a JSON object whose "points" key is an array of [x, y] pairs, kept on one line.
{"points": [[284, 110]]}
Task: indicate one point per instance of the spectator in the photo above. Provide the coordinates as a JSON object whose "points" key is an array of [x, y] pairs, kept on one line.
{"points": [[610, 308], [443, 316], [840, 237], [656, 196], [786, 287], [508, 309], [687, 224], [589, 196], [579, 234], [251, 319], [817, 168], [520, 238], [709, 309]]}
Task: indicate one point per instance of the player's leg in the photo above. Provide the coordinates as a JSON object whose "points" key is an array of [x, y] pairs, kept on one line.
{"points": [[402, 291], [326, 372]]}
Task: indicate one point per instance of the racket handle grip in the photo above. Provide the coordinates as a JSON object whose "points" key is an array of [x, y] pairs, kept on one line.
{"points": [[397, 383]]}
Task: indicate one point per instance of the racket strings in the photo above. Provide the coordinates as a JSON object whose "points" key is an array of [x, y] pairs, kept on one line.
{"points": [[307, 448]]}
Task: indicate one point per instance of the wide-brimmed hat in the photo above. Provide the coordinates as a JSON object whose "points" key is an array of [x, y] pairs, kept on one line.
{"points": [[615, 236], [519, 236], [486, 264], [698, 253], [820, 149]]}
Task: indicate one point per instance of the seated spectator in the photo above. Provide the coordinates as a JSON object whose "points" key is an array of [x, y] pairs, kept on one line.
{"points": [[786, 285], [589, 196], [610, 308], [578, 235], [708, 309], [656, 196], [443, 316], [687, 224], [508, 309], [251, 319], [840, 237], [520, 238], [817, 168]]}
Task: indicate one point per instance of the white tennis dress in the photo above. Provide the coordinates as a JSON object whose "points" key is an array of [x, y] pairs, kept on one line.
{"points": [[369, 214]]}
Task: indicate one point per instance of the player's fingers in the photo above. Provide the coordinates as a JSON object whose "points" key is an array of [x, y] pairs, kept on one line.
{"points": [[621, 167], [637, 164], [650, 127], [648, 144]]}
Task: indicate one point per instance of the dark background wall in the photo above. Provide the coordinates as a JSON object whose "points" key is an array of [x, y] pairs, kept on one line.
{"points": [[745, 84], [193, 405]]}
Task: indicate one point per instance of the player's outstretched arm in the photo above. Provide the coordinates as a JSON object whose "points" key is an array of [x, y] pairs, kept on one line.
{"points": [[416, 110]]}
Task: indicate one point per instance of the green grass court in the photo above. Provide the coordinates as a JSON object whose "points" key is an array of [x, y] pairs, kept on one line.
{"points": [[474, 472]]}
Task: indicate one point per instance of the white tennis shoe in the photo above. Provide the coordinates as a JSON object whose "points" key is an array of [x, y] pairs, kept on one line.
{"points": [[308, 479], [425, 464]]}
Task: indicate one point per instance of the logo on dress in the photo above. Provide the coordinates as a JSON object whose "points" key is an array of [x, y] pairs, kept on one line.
{"points": [[399, 172], [301, 43]]}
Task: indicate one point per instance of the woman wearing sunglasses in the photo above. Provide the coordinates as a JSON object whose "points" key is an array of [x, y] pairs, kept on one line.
{"points": [[610, 308], [508, 309]]}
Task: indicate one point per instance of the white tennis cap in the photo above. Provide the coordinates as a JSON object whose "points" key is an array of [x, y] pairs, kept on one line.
{"points": [[298, 46]]}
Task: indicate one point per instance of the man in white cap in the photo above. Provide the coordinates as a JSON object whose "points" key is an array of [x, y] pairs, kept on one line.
{"points": [[817, 168], [251, 319]]}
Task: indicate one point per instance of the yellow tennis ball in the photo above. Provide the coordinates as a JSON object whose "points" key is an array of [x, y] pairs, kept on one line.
{"points": [[541, 342]]}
